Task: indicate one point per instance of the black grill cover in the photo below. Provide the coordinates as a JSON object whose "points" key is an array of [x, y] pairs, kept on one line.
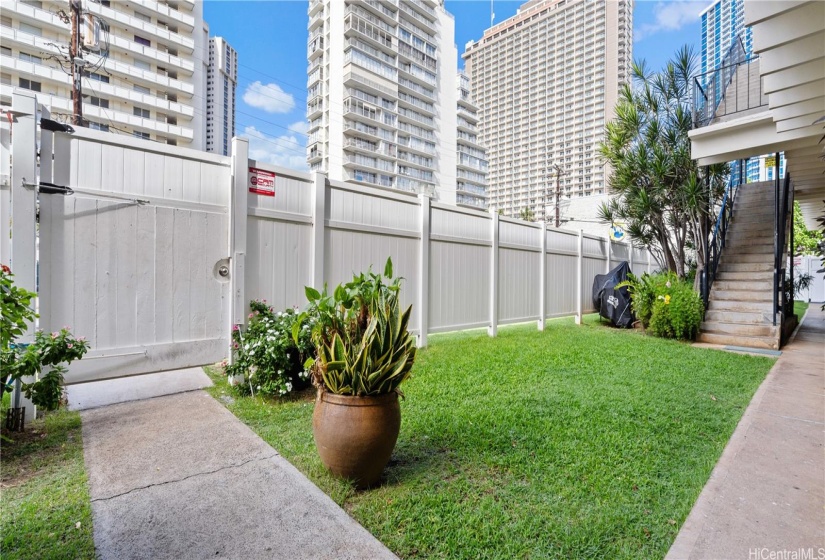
{"points": [[613, 304]]}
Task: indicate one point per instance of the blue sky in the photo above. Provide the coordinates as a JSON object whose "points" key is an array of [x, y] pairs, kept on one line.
{"points": [[271, 40]]}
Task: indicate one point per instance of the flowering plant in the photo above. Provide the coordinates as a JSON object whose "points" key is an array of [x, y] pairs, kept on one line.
{"points": [[43, 359], [266, 354]]}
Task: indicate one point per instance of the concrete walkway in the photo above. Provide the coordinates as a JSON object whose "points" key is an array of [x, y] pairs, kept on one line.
{"points": [[180, 477], [767, 493]]}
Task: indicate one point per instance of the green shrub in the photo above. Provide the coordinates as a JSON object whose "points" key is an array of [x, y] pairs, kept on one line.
{"points": [[266, 354], [643, 291], [665, 304], [677, 312]]}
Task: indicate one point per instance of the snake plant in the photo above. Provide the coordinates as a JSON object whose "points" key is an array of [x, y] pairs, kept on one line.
{"points": [[362, 343]]}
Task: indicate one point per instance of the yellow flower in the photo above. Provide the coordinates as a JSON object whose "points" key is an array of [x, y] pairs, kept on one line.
{"points": [[667, 299]]}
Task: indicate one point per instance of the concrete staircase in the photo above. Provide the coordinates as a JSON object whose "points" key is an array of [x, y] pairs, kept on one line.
{"points": [[740, 308]]}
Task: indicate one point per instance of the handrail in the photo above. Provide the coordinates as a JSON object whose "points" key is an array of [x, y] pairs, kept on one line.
{"points": [[716, 243], [720, 78], [781, 217]]}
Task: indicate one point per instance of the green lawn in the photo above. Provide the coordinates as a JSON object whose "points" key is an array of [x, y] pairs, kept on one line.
{"points": [[575, 442], [799, 308], [46, 512]]}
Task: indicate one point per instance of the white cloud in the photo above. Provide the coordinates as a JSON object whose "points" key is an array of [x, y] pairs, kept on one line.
{"points": [[670, 16], [301, 127], [268, 97], [287, 150]]}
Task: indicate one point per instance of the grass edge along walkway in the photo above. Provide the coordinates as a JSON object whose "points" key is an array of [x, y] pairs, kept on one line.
{"points": [[46, 509], [575, 442]]}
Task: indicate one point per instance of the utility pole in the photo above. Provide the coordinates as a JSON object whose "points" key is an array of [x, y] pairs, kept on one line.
{"points": [[557, 167], [76, 62]]}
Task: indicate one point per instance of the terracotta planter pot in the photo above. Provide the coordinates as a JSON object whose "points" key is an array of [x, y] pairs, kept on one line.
{"points": [[355, 436]]}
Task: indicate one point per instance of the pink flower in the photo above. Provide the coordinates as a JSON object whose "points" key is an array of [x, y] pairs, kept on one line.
{"points": [[69, 345], [236, 327], [55, 334], [235, 345], [250, 316], [81, 338]]}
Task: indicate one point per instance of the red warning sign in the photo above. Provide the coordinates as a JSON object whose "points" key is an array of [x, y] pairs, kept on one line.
{"points": [[261, 181]]}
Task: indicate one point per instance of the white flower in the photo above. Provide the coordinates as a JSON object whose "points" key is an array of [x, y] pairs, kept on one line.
{"points": [[667, 283]]}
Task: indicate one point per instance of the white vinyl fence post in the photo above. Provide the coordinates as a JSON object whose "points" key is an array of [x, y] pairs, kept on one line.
{"points": [[23, 254], [607, 252], [543, 276], [424, 271], [630, 252], [5, 190], [648, 260], [579, 274], [319, 216], [492, 330], [238, 208]]}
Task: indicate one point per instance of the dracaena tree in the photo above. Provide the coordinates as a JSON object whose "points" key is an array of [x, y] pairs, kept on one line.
{"points": [[661, 195]]}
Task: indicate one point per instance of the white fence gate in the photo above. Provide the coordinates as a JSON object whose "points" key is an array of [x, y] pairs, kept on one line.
{"points": [[137, 259]]}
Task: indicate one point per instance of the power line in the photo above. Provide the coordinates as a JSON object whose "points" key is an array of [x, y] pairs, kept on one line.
{"points": [[273, 124], [278, 143]]}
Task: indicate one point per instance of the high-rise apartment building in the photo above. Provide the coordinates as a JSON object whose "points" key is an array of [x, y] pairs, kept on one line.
{"points": [[221, 83], [546, 80], [471, 171], [381, 99], [722, 23], [146, 64]]}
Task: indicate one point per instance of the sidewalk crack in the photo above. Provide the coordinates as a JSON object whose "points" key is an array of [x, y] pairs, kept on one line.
{"points": [[235, 466]]}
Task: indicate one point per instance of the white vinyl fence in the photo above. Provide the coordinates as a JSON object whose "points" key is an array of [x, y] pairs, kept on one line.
{"points": [[159, 250], [463, 268]]}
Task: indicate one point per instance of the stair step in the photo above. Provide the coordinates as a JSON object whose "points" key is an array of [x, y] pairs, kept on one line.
{"points": [[738, 329], [746, 276], [734, 257], [756, 201], [768, 343], [748, 317], [744, 285], [758, 224], [760, 248], [752, 216], [764, 241], [751, 198], [740, 295], [745, 237], [740, 306], [725, 266]]}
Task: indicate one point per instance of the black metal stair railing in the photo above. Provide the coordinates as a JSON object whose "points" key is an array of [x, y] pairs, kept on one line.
{"points": [[709, 88], [716, 243], [782, 217]]}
